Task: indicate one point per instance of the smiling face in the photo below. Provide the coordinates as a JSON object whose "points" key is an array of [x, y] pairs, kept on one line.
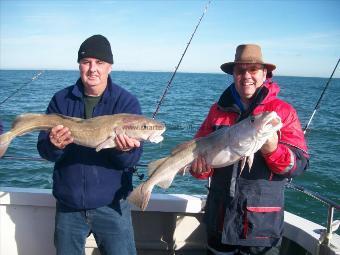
{"points": [[94, 74], [248, 78]]}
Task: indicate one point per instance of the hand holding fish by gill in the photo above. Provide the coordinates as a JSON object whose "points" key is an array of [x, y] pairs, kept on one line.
{"points": [[221, 148]]}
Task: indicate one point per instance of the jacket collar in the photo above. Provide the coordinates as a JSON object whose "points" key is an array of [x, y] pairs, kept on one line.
{"points": [[229, 101]]}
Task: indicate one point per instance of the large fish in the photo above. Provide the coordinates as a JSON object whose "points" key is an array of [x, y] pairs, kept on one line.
{"points": [[98, 132], [223, 147]]}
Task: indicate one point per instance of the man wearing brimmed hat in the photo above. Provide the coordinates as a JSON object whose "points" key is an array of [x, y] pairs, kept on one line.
{"points": [[244, 211], [91, 187]]}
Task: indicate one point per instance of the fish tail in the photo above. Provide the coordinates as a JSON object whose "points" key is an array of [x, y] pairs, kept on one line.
{"points": [[140, 196], [21, 125], [5, 140]]}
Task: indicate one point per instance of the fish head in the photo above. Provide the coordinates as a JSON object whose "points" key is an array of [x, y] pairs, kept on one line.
{"points": [[143, 128], [266, 123], [252, 132]]}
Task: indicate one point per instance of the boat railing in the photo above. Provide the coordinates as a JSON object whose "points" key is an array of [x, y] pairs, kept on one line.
{"points": [[326, 238]]}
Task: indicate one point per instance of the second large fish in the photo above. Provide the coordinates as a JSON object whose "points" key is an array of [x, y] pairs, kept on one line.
{"points": [[221, 148], [98, 132]]}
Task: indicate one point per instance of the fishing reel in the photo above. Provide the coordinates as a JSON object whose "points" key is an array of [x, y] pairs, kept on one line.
{"points": [[135, 172]]}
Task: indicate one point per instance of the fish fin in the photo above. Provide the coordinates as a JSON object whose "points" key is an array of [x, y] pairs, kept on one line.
{"points": [[182, 146], [5, 140], [24, 124], [184, 170], [243, 163], [119, 131], [155, 165], [166, 183], [29, 122], [3, 149], [108, 143], [152, 166], [22, 118], [250, 160], [75, 119], [140, 196]]}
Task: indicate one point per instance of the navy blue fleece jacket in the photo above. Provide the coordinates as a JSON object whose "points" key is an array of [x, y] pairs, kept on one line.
{"points": [[82, 177]]}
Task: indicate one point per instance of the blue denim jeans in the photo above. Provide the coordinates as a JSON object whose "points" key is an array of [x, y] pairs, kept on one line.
{"points": [[110, 225]]}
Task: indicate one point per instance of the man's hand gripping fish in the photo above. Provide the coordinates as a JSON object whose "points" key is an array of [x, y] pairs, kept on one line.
{"points": [[98, 132], [223, 147]]}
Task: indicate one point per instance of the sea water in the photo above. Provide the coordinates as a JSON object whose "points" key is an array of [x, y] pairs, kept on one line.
{"points": [[183, 110]]}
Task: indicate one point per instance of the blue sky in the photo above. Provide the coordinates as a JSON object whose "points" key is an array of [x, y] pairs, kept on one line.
{"points": [[301, 37]]}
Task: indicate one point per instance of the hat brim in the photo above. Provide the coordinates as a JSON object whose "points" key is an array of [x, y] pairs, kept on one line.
{"points": [[229, 67]]}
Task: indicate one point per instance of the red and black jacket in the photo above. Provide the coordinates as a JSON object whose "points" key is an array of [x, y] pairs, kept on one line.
{"points": [[247, 209]]}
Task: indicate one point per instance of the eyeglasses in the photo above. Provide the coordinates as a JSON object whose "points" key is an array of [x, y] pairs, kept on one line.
{"points": [[252, 69]]}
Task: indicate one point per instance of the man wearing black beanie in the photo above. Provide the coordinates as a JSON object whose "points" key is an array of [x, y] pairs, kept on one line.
{"points": [[91, 187], [96, 46]]}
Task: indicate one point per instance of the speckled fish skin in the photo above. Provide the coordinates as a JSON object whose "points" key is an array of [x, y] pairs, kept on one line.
{"points": [[98, 132], [223, 147]]}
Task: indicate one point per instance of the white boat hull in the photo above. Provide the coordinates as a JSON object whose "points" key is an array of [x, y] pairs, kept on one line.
{"points": [[171, 223]]}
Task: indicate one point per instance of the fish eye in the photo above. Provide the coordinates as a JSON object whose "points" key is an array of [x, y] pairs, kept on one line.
{"points": [[144, 126], [252, 119]]}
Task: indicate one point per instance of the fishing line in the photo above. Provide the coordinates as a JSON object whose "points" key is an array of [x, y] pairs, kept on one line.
{"points": [[31, 80], [159, 102], [317, 106], [135, 170], [302, 189], [24, 158], [179, 63]]}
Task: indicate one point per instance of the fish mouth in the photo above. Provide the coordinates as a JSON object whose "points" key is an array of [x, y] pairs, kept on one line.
{"points": [[157, 138]]}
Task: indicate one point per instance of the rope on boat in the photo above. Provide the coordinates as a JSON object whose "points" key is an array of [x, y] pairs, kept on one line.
{"points": [[31, 80], [179, 63]]}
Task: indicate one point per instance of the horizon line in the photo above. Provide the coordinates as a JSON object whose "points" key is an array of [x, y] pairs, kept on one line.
{"points": [[156, 71]]}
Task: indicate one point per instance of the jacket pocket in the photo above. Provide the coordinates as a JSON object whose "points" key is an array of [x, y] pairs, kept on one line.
{"points": [[255, 216], [263, 221]]}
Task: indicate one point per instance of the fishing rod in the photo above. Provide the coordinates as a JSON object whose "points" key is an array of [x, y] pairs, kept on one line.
{"points": [[317, 106], [331, 205], [158, 105], [31, 80], [179, 63], [135, 170]]}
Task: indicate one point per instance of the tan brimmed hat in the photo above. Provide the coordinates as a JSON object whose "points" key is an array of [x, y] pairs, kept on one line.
{"points": [[248, 54]]}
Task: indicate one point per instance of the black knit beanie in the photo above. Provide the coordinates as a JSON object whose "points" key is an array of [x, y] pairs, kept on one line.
{"points": [[96, 46]]}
